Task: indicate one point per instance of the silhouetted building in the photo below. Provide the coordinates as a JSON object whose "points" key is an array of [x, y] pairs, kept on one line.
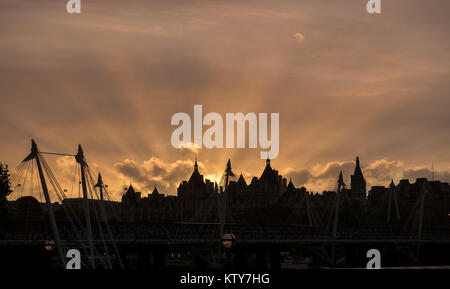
{"points": [[195, 196], [131, 196], [270, 198], [358, 183]]}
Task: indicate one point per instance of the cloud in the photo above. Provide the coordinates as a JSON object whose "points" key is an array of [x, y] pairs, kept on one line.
{"points": [[320, 177], [67, 173], [372, 94], [420, 172], [385, 170], [153, 31], [187, 148], [66, 166], [165, 175], [168, 175], [378, 172], [301, 176], [299, 36]]}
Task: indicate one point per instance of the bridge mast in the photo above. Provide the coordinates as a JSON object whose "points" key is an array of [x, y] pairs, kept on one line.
{"points": [[223, 204], [423, 192], [35, 155], [100, 185], [340, 187], [80, 159]]}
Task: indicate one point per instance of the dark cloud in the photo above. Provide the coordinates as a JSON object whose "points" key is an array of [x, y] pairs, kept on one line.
{"points": [[320, 177], [379, 172], [299, 177], [130, 169], [166, 176], [415, 173]]}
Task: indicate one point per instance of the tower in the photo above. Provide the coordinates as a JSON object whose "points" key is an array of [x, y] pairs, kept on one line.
{"points": [[358, 183]]}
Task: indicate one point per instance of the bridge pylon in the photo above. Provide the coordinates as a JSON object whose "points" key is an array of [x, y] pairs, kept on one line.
{"points": [[83, 165], [37, 156]]}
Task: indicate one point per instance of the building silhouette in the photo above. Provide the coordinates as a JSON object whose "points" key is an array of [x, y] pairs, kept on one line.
{"points": [[358, 183], [269, 198]]}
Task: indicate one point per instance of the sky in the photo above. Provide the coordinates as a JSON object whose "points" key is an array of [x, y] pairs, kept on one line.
{"points": [[344, 82]]}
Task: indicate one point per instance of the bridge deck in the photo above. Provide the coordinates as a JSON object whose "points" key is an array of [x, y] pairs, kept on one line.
{"points": [[203, 233]]}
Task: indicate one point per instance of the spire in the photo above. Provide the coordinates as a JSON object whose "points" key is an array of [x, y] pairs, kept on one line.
{"points": [[228, 169], [241, 180], [358, 172], [392, 185], [268, 174], [357, 181], [155, 191], [130, 190], [131, 196], [196, 177], [290, 186]]}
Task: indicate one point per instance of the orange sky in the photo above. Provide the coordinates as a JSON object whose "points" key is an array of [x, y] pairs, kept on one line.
{"points": [[345, 83]]}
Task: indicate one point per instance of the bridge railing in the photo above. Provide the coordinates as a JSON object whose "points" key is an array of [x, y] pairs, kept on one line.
{"points": [[191, 233]]}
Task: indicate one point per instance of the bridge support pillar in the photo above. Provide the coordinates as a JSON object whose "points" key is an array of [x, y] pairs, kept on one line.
{"points": [[261, 259], [390, 258], [240, 259], [275, 259], [200, 263], [144, 258], [159, 258]]}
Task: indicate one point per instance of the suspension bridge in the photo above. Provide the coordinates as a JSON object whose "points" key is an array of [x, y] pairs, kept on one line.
{"points": [[108, 245]]}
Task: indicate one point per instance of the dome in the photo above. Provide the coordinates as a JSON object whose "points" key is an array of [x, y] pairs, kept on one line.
{"points": [[28, 203]]}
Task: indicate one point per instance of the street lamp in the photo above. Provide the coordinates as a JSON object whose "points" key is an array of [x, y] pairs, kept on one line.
{"points": [[228, 241], [49, 245]]}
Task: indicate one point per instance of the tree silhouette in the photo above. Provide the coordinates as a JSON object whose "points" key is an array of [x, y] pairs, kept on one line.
{"points": [[5, 190]]}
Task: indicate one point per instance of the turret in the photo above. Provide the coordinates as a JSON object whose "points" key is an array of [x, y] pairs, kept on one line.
{"points": [[358, 183]]}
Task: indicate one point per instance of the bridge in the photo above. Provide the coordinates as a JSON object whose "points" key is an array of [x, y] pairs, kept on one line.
{"points": [[204, 233], [107, 244], [196, 239]]}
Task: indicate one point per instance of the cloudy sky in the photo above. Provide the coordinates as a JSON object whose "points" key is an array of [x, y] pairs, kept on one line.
{"points": [[344, 82]]}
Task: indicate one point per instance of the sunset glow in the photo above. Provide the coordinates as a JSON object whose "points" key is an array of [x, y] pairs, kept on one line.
{"points": [[344, 83]]}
